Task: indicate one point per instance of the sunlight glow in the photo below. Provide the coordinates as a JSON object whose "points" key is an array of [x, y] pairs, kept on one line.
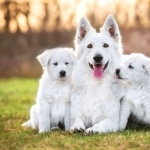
{"points": [[105, 2], [66, 13]]}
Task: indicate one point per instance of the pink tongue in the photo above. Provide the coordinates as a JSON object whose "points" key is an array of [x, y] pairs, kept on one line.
{"points": [[98, 71]]}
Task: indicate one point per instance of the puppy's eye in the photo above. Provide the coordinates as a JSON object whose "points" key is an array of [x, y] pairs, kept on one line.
{"points": [[55, 63], [90, 46], [105, 45], [130, 66], [66, 63]]}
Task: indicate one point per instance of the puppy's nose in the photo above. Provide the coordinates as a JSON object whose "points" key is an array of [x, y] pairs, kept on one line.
{"points": [[98, 58], [117, 72], [62, 73]]}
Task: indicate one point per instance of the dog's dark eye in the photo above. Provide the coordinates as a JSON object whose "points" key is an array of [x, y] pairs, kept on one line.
{"points": [[90, 46], [105, 45], [55, 63], [130, 66], [66, 63]]}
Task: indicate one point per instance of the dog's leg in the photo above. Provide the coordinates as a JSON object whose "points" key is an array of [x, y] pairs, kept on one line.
{"points": [[34, 117], [124, 114], [78, 125], [43, 110], [105, 125], [33, 122], [67, 118], [67, 122]]}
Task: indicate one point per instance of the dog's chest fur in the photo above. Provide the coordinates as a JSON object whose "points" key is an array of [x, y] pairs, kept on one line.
{"points": [[54, 92], [57, 95], [96, 101]]}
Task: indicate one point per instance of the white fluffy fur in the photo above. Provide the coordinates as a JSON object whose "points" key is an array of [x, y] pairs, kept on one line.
{"points": [[135, 71], [53, 98], [95, 103]]}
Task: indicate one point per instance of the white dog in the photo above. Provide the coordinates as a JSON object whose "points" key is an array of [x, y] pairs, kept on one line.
{"points": [[95, 102], [135, 71], [53, 98]]}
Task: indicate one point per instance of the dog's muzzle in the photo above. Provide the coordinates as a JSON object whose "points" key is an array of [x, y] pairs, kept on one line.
{"points": [[98, 58], [99, 65]]}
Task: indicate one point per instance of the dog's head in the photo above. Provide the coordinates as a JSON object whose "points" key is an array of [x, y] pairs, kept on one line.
{"points": [[99, 51], [134, 69], [58, 62]]}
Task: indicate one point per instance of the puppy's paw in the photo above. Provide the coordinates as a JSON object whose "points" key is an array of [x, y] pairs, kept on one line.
{"points": [[27, 124], [90, 131], [55, 128], [78, 127]]}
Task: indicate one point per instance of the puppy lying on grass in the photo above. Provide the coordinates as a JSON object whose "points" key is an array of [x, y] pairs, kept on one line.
{"points": [[52, 106], [135, 71]]}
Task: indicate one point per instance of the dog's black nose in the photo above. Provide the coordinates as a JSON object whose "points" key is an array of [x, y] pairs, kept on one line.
{"points": [[98, 58], [62, 73], [117, 72]]}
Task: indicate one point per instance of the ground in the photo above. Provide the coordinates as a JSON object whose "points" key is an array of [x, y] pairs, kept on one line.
{"points": [[16, 98]]}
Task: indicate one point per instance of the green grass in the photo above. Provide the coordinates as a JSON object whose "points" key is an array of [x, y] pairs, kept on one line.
{"points": [[16, 98]]}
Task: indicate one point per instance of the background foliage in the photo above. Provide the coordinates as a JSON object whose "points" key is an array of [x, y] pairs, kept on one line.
{"points": [[28, 27]]}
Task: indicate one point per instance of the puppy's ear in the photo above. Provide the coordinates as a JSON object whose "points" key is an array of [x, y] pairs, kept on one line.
{"points": [[146, 66], [111, 26], [44, 58]]}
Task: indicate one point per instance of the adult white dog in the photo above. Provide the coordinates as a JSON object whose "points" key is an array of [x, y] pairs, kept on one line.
{"points": [[53, 98], [135, 71], [95, 102]]}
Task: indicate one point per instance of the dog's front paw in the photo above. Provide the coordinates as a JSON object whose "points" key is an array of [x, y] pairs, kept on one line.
{"points": [[46, 129], [78, 127], [90, 131], [121, 127]]}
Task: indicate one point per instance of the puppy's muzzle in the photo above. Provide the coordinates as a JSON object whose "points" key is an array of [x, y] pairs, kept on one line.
{"points": [[62, 74], [118, 73]]}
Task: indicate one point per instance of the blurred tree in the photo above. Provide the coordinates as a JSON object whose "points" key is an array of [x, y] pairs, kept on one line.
{"points": [[7, 16], [137, 14], [25, 9], [149, 11], [58, 14], [92, 13], [46, 16]]}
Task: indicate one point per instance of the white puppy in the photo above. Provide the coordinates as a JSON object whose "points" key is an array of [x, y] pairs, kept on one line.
{"points": [[135, 71], [95, 102], [53, 98]]}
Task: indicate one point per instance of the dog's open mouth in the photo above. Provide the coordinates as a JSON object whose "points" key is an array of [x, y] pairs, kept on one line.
{"points": [[98, 69]]}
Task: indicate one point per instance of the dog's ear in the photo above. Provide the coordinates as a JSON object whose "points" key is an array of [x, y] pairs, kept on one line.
{"points": [[111, 26], [82, 30], [44, 58]]}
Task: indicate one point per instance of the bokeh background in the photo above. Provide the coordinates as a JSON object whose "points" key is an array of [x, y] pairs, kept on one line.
{"points": [[27, 27]]}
